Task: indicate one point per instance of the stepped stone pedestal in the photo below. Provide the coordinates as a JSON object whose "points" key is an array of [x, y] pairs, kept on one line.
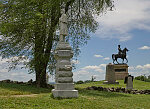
{"points": [[110, 75], [64, 86]]}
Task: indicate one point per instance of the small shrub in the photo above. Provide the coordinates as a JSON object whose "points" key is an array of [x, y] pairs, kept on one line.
{"points": [[87, 81], [79, 82], [138, 78]]}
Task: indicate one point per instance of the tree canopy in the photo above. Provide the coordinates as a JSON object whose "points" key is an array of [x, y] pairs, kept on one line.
{"points": [[28, 29]]}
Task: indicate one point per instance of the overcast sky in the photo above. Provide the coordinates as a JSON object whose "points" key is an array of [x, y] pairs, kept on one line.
{"points": [[128, 25]]}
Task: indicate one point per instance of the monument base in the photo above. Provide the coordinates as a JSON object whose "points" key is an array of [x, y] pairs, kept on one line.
{"points": [[121, 71], [65, 90], [65, 93], [108, 82]]}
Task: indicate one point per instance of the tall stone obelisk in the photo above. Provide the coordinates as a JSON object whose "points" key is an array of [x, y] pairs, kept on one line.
{"points": [[64, 86]]}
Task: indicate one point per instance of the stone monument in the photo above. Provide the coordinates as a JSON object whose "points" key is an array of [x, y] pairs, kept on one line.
{"points": [[121, 69], [129, 82], [64, 86], [110, 75]]}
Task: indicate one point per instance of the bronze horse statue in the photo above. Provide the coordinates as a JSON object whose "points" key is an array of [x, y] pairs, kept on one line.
{"points": [[122, 56]]}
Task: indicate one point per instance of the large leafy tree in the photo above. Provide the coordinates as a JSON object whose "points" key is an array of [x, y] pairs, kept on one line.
{"points": [[27, 29]]}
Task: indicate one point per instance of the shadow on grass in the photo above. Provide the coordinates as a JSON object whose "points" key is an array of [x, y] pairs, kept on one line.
{"points": [[24, 88], [101, 93], [60, 98]]}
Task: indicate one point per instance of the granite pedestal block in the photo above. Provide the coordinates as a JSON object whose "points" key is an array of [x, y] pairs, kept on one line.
{"points": [[121, 71], [110, 75]]}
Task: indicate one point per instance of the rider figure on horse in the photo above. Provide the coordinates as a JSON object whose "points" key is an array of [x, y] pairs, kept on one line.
{"points": [[119, 50], [121, 54]]}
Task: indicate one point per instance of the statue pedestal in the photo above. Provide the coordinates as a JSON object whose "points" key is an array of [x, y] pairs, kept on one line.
{"points": [[64, 86], [110, 75], [121, 71]]}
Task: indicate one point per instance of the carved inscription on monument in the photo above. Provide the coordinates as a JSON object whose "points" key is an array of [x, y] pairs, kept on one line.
{"points": [[120, 70]]}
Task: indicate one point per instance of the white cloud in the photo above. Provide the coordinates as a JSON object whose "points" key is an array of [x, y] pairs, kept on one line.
{"points": [[7, 60], [102, 65], [145, 48], [81, 72], [86, 72], [139, 67], [18, 75], [107, 58], [90, 67], [147, 66], [139, 70], [131, 68], [15, 75], [127, 16], [98, 56], [4, 70], [3, 61], [75, 62], [94, 68]]}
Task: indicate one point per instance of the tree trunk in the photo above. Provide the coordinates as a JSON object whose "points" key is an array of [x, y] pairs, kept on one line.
{"points": [[40, 70], [41, 56], [39, 61], [41, 77]]}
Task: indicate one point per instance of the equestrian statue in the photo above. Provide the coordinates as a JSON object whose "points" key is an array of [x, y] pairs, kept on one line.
{"points": [[121, 54]]}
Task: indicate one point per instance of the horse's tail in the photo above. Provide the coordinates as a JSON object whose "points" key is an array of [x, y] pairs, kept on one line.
{"points": [[112, 56]]}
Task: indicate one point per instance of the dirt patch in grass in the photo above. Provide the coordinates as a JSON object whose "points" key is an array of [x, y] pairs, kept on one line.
{"points": [[89, 98], [30, 95]]}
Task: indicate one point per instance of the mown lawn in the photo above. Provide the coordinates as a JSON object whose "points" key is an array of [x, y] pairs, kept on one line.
{"points": [[87, 99]]}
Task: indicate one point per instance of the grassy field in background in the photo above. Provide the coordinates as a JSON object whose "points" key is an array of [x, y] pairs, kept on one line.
{"points": [[87, 99], [139, 85]]}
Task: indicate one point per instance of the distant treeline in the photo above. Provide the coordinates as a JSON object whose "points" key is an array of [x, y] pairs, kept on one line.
{"points": [[143, 78]]}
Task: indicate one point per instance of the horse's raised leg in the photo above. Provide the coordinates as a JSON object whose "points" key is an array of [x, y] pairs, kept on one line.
{"points": [[123, 60], [117, 61]]}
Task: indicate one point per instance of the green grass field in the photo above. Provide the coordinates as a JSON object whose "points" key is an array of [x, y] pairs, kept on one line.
{"points": [[13, 96]]}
